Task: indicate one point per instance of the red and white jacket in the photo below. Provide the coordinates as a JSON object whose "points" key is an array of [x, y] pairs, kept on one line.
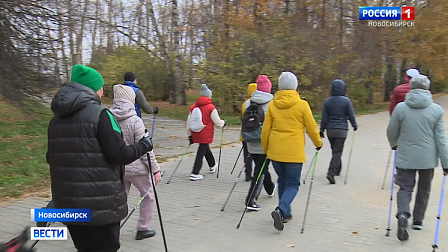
{"points": [[210, 118]]}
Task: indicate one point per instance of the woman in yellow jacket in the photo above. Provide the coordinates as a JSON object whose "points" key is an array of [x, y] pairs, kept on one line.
{"points": [[283, 140], [247, 157]]}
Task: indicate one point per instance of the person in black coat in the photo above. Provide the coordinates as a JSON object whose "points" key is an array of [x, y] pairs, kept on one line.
{"points": [[87, 154], [337, 110]]}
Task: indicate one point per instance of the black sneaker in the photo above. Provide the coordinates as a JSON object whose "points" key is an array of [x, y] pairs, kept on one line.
{"points": [[248, 177], [145, 234], [417, 225], [253, 207], [331, 179], [278, 219], [402, 233]]}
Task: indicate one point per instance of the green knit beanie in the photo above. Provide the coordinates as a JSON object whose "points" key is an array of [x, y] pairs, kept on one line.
{"points": [[87, 76]]}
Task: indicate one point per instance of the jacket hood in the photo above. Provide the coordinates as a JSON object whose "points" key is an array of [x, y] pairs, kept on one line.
{"points": [[338, 88], [72, 97], [286, 98], [261, 97], [122, 109], [250, 89], [202, 101], [418, 98], [131, 83]]}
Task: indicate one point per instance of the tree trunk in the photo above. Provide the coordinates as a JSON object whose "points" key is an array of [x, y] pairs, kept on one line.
{"points": [[164, 52], [178, 63], [110, 33]]}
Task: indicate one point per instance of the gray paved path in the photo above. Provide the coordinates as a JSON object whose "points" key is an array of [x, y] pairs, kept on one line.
{"points": [[350, 217]]}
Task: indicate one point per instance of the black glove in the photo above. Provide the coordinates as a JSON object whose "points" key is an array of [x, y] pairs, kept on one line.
{"points": [[318, 148], [155, 110], [355, 128], [394, 148], [146, 141], [191, 140], [321, 133], [445, 171], [225, 123]]}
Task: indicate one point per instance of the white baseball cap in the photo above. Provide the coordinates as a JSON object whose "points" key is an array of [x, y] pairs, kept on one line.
{"points": [[412, 72]]}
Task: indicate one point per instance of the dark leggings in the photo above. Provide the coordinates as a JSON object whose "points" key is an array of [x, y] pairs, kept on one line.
{"points": [[203, 150]]}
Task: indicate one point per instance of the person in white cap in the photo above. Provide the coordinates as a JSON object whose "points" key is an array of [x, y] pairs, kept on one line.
{"points": [[400, 91], [399, 95], [417, 132], [137, 172]]}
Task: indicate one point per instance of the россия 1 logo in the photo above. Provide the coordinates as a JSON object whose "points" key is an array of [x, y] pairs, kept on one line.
{"points": [[395, 16]]}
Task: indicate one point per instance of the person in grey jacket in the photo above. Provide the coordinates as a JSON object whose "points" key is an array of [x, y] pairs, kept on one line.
{"points": [[417, 132], [337, 110], [262, 97], [137, 172]]}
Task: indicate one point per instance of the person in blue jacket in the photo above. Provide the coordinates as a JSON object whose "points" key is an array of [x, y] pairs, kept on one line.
{"points": [[130, 80], [337, 110]]}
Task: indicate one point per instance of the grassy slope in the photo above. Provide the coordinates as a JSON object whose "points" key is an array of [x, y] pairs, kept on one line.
{"points": [[23, 144]]}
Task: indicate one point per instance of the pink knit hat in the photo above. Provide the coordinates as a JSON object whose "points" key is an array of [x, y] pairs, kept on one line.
{"points": [[264, 84]]}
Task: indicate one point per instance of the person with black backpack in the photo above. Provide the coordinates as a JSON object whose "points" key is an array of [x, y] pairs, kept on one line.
{"points": [[252, 124]]}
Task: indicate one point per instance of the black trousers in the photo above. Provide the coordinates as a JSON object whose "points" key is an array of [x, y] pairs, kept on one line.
{"points": [[337, 146], [96, 238], [247, 160], [266, 182], [203, 150]]}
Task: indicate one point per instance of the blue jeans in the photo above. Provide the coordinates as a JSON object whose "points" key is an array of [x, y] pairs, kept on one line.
{"points": [[288, 184]]}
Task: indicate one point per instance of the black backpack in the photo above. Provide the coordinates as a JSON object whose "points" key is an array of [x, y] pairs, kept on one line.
{"points": [[252, 123]]}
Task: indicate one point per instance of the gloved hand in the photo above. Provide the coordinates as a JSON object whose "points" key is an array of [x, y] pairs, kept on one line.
{"points": [[225, 123], [191, 140], [445, 171], [394, 148], [321, 133], [355, 128], [146, 141], [318, 148], [155, 110]]}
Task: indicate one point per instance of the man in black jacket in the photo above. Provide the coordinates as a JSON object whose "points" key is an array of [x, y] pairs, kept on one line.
{"points": [[86, 154], [337, 110]]}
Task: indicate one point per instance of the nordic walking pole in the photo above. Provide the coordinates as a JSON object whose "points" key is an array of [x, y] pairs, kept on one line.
{"points": [[309, 192], [236, 161], [349, 158], [387, 169], [186, 150], [391, 193], [251, 193], [434, 246], [220, 147], [231, 191], [311, 164], [155, 195]]}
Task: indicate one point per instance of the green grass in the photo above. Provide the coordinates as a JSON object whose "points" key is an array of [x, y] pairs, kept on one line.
{"points": [[23, 145]]}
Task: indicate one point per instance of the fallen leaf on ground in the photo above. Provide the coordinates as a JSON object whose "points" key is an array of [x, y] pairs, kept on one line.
{"points": [[181, 229], [6, 197], [355, 232], [376, 228], [345, 243], [290, 246], [196, 218]]}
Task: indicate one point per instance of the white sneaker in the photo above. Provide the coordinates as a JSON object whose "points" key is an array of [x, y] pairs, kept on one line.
{"points": [[213, 169], [273, 191], [194, 177]]}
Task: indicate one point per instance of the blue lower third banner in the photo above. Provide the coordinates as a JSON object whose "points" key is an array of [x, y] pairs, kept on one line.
{"points": [[60, 215], [49, 233]]}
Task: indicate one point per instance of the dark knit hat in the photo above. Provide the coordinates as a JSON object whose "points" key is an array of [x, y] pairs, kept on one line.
{"points": [[128, 76], [87, 76]]}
